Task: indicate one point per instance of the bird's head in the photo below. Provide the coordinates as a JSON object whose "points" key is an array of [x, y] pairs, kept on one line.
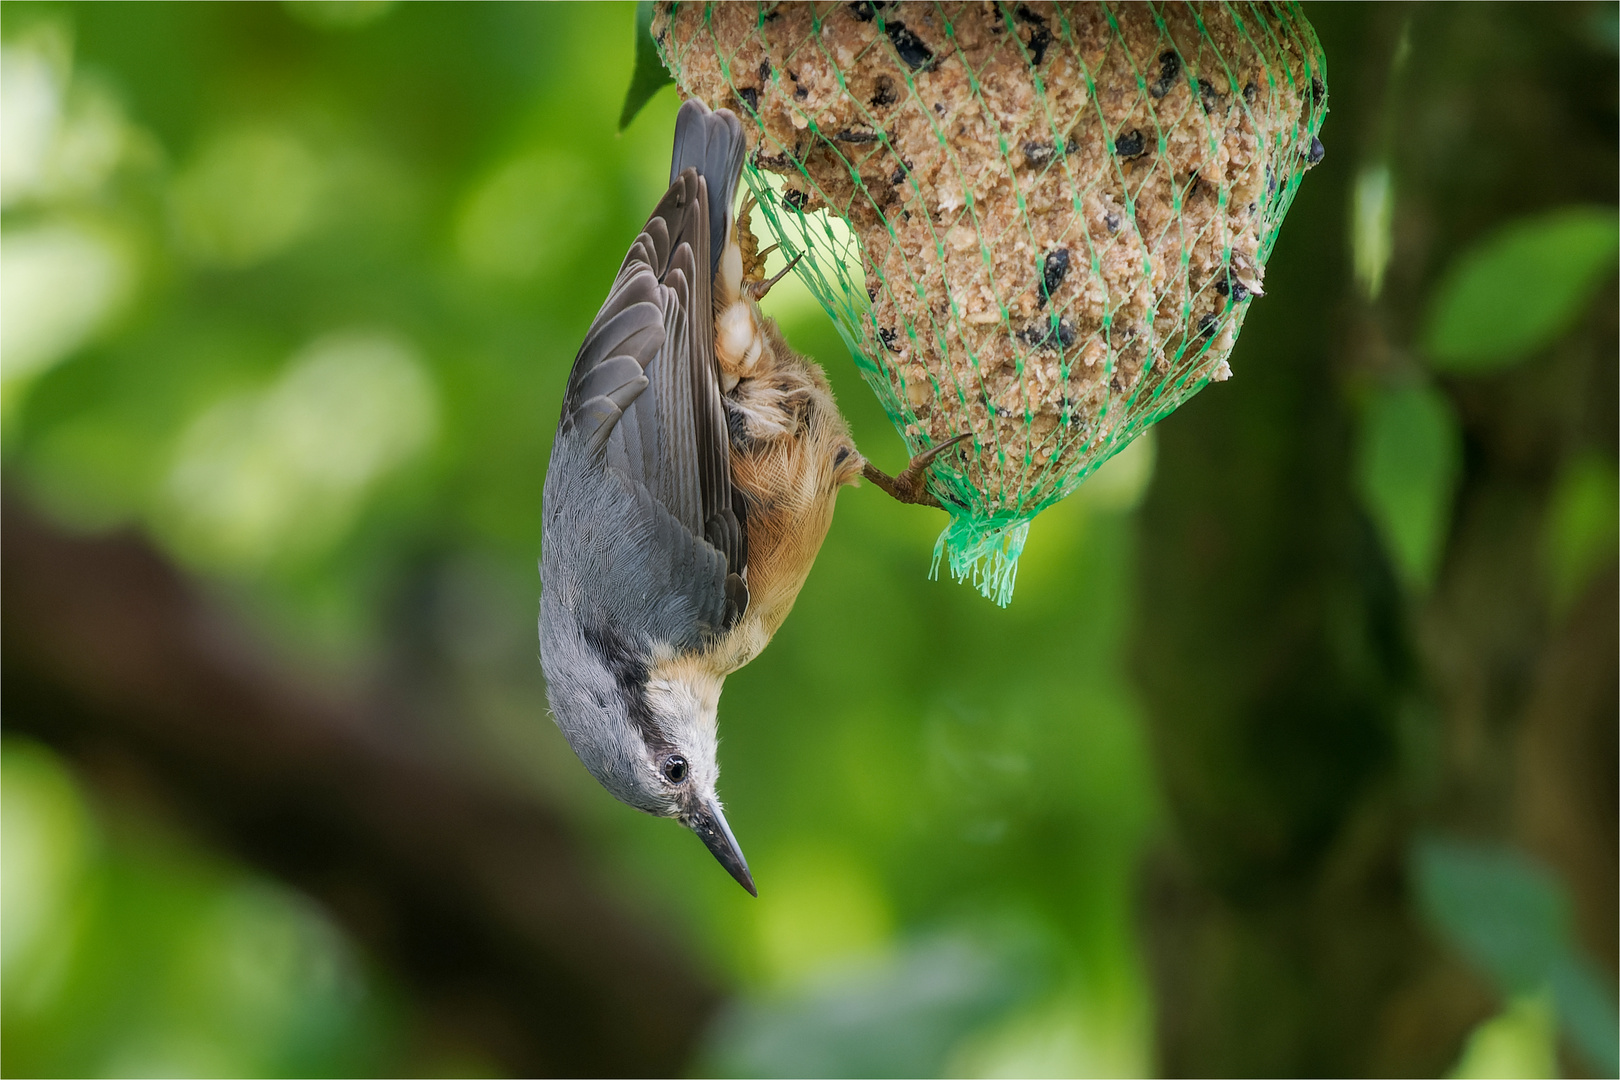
{"points": [[644, 726]]}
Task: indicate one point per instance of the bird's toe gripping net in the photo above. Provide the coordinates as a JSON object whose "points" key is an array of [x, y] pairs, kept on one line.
{"points": [[1039, 223]]}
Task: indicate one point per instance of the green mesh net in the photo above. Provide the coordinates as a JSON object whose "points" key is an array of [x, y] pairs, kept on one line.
{"points": [[1038, 223]]}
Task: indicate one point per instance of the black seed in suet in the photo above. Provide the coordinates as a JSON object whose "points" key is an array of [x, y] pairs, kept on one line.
{"points": [[850, 136], [1039, 39], [764, 71], [862, 10], [916, 55], [1208, 96], [884, 93], [800, 93], [1130, 145], [794, 200], [1316, 151], [1053, 268], [888, 337], [1037, 154], [1317, 90], [1231, 286], [749, 97], [1207, 324], [1042, 335], [1111, 219], [1250, 92], [1023, 14], [1169, 69]]}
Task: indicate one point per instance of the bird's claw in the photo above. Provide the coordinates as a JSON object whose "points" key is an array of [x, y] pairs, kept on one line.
{"points": [[758, 289], [908, 487]]}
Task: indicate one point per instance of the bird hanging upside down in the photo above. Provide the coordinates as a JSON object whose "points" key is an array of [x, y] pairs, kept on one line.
{"points": [[691, 484]]}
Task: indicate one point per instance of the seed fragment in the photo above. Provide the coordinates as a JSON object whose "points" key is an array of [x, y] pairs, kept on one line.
{"points": [[1043, 335], [1169, 69], [1037, 154], [1130, 145], [911, 49], [1053, 269], [1039, 39]]}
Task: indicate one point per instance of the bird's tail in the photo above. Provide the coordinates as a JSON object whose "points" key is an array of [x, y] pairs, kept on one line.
{"points": [[713, 144]]}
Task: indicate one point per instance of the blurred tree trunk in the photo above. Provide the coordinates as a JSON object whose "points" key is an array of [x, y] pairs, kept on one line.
{"points": [[476, 899], [1308, 717]]}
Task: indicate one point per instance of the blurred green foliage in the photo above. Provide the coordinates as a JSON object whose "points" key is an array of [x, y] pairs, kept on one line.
{"points": [[1520, 1042], [1513, 292], [127, 954], [1511, 917], [1407, 466], [1520, 288], [1583, 526], [650, 75], [295, 289]]}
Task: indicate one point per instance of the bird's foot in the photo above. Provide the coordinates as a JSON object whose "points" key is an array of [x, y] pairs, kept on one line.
{"points": [[758, 289], [908, 487]]}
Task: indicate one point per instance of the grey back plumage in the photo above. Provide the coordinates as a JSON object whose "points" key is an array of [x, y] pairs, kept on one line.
{"points": [[643, 547]]}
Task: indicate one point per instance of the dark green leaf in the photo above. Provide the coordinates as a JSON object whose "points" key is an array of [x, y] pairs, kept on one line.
{"points": [[1511, 917], [1505, 913], [650, 76], [1583, 526], [1406, 471], [1520, 288]]}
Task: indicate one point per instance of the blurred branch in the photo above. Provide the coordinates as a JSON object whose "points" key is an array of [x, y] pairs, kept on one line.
{"points": [[476, 897]]}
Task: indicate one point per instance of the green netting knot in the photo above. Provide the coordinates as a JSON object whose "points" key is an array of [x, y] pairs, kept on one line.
{"points": [[984, 551]]}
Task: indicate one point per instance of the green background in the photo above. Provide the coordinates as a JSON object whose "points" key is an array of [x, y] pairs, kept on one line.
{"points": [[293, 289]]}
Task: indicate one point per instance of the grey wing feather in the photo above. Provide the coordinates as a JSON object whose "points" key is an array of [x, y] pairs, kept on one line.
{"points": [[644, 396], [713, 144]]}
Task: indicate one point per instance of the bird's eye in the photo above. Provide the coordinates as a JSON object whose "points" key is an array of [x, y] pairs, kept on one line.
{"points": [[675, 768]]}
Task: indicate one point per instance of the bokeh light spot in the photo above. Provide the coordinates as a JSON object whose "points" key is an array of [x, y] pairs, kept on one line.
{"points": [[283, 472], [248, 196]]}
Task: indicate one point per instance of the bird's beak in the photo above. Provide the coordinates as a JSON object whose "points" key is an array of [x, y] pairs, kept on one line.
{"points": [[710, 825]]}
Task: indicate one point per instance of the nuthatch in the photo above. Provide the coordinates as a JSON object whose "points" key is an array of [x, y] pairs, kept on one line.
{"points": [[691, 484]]}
